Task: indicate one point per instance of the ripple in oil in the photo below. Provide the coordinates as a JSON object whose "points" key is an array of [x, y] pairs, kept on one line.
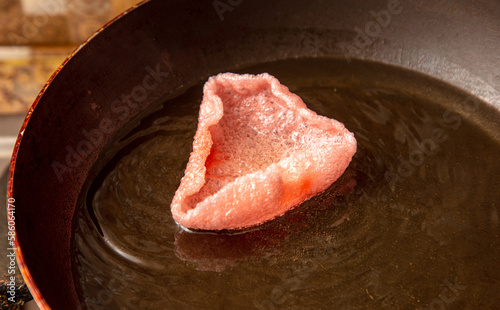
{"points": [[420, 229]]}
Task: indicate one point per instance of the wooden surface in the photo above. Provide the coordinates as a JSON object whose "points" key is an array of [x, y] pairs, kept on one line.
{"points": [[23, 72], [55, 22], [35, 38]]}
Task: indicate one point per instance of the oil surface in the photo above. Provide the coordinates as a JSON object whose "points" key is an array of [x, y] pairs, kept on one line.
{"points": [[420, 230]]}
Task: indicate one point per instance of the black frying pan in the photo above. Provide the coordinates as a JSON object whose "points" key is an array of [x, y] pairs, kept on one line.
{"points": [[182, 42]]}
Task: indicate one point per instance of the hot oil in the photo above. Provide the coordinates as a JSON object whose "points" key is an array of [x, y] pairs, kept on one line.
{"points": [[420, 229]]}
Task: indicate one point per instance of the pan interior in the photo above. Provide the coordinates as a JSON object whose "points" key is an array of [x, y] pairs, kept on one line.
{"points": [[420, 229]]}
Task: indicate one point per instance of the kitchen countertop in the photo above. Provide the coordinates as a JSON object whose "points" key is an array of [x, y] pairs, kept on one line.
{"points": [[23, 72], [37, 38], [55, 22]]}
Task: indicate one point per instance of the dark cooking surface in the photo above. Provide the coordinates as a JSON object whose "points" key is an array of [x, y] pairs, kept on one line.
{"points": [[421, 228]]}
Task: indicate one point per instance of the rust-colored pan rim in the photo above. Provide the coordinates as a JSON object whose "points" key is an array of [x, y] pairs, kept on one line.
{"points": [[35, 291]]}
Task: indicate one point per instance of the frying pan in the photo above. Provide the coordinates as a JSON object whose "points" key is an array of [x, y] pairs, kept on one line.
{"points": [[151, 51]]}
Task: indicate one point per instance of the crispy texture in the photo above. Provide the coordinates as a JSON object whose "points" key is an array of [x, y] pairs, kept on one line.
{"points": [[258, 152]]}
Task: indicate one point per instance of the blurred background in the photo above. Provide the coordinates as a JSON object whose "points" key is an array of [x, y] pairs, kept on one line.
{"points": [[36, 36]]}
